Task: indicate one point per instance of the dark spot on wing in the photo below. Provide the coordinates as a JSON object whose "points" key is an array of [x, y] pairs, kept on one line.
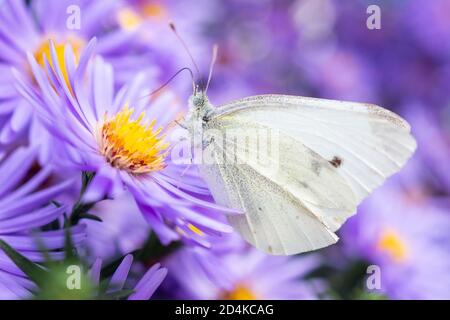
{"points": [[269, 249], [259, 208], [336, 162]]}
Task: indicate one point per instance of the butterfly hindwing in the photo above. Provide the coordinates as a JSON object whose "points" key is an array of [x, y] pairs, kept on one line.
{"points": [[292, 198]]}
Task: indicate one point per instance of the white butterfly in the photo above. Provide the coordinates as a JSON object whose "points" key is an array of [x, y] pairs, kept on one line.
{"points": [[331, 155]]}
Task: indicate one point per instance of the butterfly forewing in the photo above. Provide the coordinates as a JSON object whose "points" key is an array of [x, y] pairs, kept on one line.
{"points": [[366, 143]]}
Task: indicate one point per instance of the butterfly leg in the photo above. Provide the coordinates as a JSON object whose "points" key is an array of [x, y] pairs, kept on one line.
{"points": [[181, 124]]}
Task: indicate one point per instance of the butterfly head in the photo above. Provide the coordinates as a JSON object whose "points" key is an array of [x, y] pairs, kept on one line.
{"points": [[199, 98]]}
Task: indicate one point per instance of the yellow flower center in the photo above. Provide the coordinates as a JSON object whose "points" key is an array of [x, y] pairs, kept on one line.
{"points": [[240, 292], [154, 10], [132, 145], [44, 51], [391, 243], [130, 19]]}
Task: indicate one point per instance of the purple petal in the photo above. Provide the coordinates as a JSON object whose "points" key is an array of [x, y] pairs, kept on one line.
{"points": [[15, 167], [51, 240], [33, 201], [197, 201], [31, 220], [94, 272], [149, 283], [120, 275]]}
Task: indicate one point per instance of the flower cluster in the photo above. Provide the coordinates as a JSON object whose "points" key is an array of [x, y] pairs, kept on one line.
{"points": [[89, 125]]}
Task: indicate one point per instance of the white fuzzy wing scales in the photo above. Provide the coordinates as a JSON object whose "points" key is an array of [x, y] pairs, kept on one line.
{"points": [[331, 155]]}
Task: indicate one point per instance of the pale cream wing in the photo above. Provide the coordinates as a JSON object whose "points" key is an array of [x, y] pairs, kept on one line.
{"points": [[293, 199], [366, 143]]}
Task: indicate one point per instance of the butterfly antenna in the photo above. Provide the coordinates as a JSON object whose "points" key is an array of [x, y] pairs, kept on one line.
{"points": [[186, 48], [170, 80], [211, 66]]}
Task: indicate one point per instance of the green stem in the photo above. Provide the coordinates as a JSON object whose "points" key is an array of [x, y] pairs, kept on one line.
{"points": [[80, 209]]}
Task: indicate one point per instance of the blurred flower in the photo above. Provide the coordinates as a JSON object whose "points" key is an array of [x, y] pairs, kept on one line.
{"points": [[242, 273], [149, 20], [25, 196], [143, 290], [341, 74], [33, 27], [122, 139], [152, 19], [68, 279], [314, 19], [406, 234], [434, 148]]}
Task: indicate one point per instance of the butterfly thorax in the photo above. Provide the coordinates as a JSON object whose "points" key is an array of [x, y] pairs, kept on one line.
{"points": [[198, 115], [199, 109]]}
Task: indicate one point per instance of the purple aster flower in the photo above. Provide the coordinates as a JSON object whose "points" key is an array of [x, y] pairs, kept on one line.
{"points": [[122, 138], [405, 233], [43, 21], [145, 287], [28, 29], [240, 273], [116, 45], [24, 207]]}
